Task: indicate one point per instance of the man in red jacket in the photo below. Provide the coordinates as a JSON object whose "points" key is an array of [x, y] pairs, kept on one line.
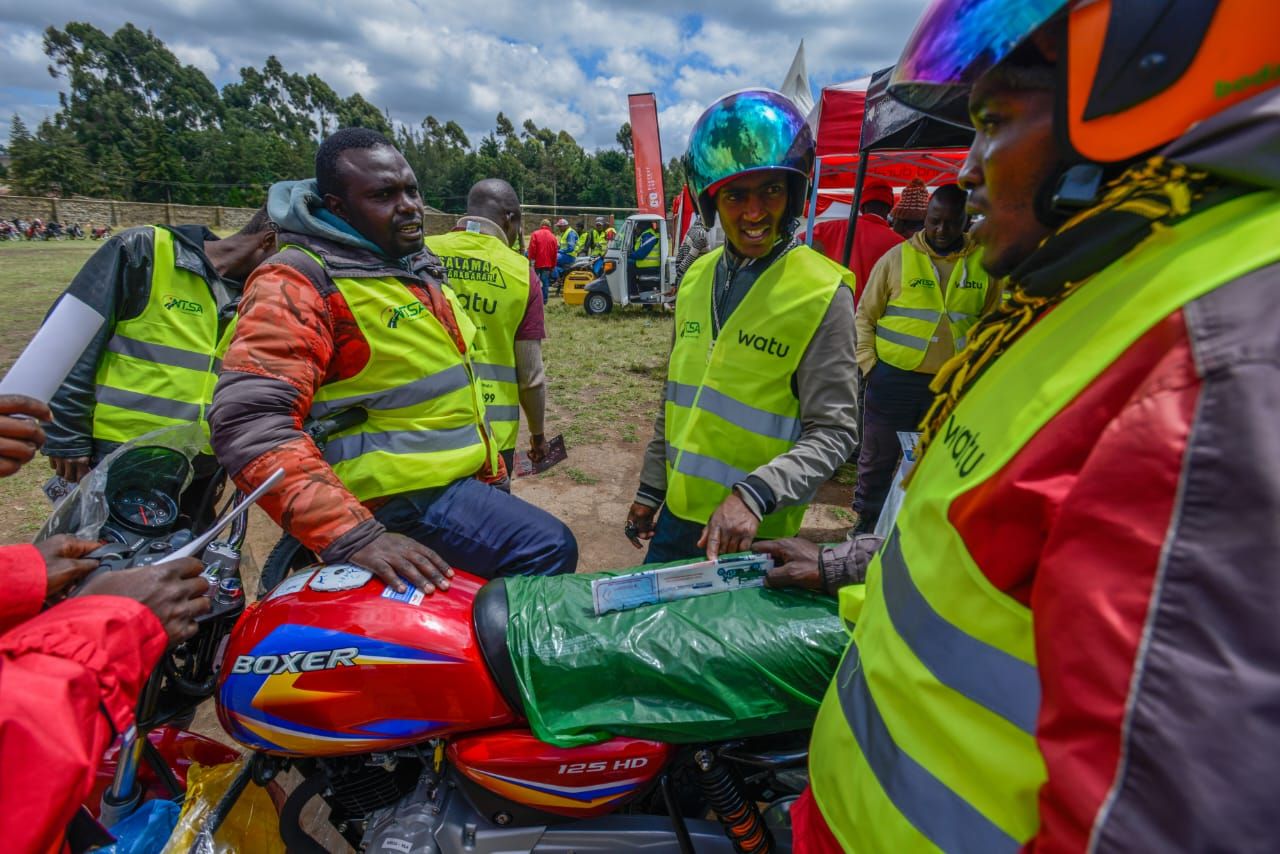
{"points": [[1068, 642], [543, 246], [872, 238], [70, 677]]}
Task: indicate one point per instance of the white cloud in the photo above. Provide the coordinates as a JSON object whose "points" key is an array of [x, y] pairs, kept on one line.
{"points": [[198, 55], [565, 64]]}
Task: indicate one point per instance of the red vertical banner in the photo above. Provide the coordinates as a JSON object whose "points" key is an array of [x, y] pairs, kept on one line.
{"points": [[648, 153]]}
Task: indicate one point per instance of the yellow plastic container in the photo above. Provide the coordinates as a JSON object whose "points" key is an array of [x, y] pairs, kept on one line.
{"points": [[575, 286]]}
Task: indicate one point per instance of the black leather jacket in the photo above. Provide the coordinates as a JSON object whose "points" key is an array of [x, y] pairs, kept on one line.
{"points": [[116, 282]]}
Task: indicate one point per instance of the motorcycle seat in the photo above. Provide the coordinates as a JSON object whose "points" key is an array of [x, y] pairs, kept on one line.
{"points": [[489, 615]]}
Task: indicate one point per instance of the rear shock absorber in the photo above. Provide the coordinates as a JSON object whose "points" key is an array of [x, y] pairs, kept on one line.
{"points": [[741, 819]]}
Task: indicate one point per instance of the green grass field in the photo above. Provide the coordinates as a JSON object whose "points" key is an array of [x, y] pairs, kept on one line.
{"points": [[604, 374], [32, 274]]}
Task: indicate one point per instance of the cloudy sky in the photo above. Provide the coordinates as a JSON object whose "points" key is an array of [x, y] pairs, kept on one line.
{"points": [[567, 65]]}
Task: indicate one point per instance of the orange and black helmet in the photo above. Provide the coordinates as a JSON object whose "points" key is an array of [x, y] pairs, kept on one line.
{"points": [[1135, 74]]}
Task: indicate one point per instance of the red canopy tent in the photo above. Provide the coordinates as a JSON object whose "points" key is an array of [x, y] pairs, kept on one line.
{"points": [[892, 142]]}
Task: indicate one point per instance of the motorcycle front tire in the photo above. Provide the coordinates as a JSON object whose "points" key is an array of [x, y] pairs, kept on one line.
{"points": [[286, 557]]}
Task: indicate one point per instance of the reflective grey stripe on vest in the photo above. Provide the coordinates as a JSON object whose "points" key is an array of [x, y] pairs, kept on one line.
{"points": [[682, 394], [912, 341], [736, 412], [709, 468], [946, 819], [913, 313], [487, 371], [162, 407], [988, 676], [502, 413], [410, 394], [401, 442], [160, 354], [960, 316]]}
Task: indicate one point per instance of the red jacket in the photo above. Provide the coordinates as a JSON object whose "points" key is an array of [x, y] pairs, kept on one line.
{"points": [[62, 674], [872, 239], [543, 247]]}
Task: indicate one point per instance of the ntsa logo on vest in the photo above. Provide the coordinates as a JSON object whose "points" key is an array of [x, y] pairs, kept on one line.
{"points": [[769, 345], [473, 270], [186, 306], [409, 311], [922, 283]]}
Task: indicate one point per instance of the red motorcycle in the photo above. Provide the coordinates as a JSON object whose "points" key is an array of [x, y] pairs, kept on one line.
{"points": [[369, 693], [374, 696]]}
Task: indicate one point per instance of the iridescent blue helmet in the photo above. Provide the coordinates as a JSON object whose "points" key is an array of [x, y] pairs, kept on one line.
{"points": [[748, 131]]}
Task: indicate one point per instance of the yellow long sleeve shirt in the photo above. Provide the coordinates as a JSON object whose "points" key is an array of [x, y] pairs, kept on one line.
{"points": [[885, 285]]}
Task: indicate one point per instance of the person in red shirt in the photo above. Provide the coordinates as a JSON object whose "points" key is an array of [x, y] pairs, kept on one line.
{"points": [[543, 246], [872, 238], [70, 676]]}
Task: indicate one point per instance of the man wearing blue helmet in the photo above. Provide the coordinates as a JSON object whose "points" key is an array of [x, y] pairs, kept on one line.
{"points": [[759, 408]]}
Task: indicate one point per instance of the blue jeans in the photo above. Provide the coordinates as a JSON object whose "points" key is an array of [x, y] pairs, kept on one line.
{"points": [[674, 539], [895, 400], [544, 276], [483, 530]]}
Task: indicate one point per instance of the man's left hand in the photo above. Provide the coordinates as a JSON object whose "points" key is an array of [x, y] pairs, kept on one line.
{"points": [[65, 562], [537, 448], [20, 438], [795, 563], [731, 529]]}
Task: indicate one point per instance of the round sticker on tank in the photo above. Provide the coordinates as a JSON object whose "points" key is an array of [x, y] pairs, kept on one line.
{"points": [[292, 584], [339, 576]]}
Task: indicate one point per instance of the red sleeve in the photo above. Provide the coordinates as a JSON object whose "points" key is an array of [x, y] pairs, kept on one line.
{"points": [[1084, 508], [58, 671], [533, 326], [1093, 590], [287, 343], [25, 582]]}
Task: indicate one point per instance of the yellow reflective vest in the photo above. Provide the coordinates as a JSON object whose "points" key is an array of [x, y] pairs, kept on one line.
{"points": [[425, 422], [654, 258], [597, 240], [159, 368], [926, 738], [729, 403], [910, 320], [492, 283]]}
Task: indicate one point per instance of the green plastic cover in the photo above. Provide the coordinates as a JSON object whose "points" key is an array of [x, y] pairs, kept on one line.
{"points": [[749, 662]]}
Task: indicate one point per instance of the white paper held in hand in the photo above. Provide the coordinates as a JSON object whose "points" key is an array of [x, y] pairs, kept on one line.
{"points": [[54, 351]]}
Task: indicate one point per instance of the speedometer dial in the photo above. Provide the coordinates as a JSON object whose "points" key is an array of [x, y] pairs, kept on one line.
{"points": [[144, 509]]}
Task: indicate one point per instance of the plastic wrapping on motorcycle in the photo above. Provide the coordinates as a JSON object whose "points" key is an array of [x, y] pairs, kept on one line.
{"points": [[146, 831], [252, 825], [748, 662], [84, 511]]}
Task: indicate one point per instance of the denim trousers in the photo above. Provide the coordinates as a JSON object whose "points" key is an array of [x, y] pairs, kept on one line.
{"points": [[674, 539], [483, 530], [895, 400]]}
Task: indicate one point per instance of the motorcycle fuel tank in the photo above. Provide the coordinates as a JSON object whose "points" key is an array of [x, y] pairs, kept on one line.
{"points": [[333, 662], [570, 781]]}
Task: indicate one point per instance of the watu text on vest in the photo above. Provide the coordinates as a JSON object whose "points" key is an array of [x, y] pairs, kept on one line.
{"points": [[769, 345], [963, 445]]}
